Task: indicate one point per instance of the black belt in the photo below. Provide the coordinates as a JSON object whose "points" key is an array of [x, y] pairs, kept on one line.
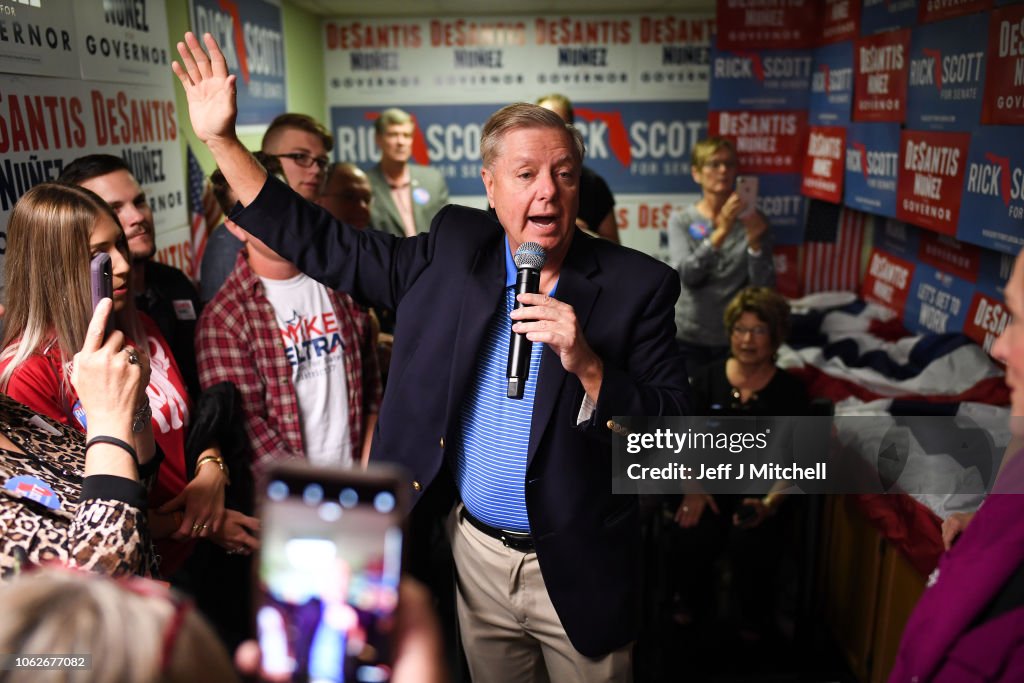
{"points": [[516, 540]]}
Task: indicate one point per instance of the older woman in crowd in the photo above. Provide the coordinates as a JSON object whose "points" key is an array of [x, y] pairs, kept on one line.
{"points": [[719, 245], [748, 383]]}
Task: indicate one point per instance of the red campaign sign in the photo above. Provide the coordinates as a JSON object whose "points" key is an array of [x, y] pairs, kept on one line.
{"points": [[887, 280], [986, 319], [929, 11], [880, 77], [949, 255], [840, 20], [823, 165], [787, 275], [766, 141], [1004, 72], [931, 178], [772, 24]]}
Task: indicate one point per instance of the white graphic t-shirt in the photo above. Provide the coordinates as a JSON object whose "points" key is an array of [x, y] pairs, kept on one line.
{"points": [[311, 338]]}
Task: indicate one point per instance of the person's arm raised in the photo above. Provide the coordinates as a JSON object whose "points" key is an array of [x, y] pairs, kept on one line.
{"points": [[212, 108]]}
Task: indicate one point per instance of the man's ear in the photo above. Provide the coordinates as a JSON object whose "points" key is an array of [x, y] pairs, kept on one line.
{"points": [[488, 178], [236, 230]]}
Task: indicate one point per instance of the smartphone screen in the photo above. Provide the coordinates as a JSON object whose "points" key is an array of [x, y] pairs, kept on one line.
{"points": [[746, 188], [328, 574], [101, 274]]}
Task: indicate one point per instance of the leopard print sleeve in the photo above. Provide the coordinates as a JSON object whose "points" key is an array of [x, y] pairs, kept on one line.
{"points": [[108, 536], [100, 523]]}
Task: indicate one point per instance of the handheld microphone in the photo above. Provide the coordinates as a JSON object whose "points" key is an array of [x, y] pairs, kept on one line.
{"points": [[529, 259]]}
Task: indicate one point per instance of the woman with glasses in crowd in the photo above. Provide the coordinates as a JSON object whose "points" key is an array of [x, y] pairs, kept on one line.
{"points": [[719, 245], [748, 383]]}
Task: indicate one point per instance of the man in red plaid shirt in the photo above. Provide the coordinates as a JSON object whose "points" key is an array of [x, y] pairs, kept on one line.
{"points": [[302, 356]]}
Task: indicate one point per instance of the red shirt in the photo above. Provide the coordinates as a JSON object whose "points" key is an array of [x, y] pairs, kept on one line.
{"points": [[39, 383]]}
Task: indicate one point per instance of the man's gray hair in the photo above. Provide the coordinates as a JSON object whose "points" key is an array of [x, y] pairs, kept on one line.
{"points": [[518, 116], [391, 117]]}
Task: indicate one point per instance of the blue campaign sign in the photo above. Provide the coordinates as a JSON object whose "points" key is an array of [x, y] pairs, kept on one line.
{"points": [[992, 204], [832, 85], [947, 74], [760, 80], [896, 237], [872, 164], [637, 147], [779, 199], [878, 16], [251, 37], [938, 302]]}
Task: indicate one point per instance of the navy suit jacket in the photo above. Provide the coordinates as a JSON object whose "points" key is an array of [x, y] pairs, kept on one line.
{"points": [[444, 287]]}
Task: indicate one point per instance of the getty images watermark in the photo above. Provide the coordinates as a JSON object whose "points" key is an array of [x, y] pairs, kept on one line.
{"points": [[933, 455]]}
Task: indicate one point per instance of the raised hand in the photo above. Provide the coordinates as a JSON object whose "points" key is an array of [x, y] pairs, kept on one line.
{"points": [[209, 87]]}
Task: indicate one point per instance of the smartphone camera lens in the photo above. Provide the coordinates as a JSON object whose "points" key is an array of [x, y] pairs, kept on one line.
{"points": [[384, 502], [348, 498], [313, 494], [277, 490]]}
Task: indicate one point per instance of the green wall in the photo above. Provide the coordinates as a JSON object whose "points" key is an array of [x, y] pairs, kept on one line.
{"points": [[304, 72]]}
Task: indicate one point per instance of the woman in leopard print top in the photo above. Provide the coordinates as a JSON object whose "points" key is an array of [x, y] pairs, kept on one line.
{"points": [[62, 502]]}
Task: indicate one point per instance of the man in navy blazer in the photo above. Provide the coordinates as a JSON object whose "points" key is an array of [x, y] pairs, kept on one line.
{"points": [[547, 559]]}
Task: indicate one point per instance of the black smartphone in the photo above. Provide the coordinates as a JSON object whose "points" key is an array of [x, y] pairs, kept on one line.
{"points": [[328, 572], [101, 274]]}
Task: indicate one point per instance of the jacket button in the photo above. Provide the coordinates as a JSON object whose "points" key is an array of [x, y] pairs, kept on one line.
{"points": [[611, 425], [442, 442], [416, 486]]}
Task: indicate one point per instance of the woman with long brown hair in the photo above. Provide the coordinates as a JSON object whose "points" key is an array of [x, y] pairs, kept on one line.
{"points": [[54, 232]]}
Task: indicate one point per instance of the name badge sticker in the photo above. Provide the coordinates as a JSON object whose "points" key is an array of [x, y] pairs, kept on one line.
{"points": [[420, 195], [35, 489], [183, 309]]}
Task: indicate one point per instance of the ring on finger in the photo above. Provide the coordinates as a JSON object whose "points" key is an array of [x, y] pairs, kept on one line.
{"points": [[133, 356]]}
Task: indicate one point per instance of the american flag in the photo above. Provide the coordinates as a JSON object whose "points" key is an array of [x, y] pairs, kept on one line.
{"points": [[204, 212], [834, 244]]}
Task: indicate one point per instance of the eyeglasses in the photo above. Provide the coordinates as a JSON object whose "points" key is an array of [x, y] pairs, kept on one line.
{"points": [[757, 331], [720, 164], [305, 160]]}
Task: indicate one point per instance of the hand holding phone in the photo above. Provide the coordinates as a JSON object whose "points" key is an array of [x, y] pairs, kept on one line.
{"points": [[746, 188], [101, 274], [329, 570]]}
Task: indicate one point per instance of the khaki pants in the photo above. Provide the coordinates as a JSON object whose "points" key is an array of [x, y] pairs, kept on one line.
{"points": [[510, 631]]}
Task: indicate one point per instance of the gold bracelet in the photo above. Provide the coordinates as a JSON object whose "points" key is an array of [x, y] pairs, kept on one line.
{"points": [[220, 464]]}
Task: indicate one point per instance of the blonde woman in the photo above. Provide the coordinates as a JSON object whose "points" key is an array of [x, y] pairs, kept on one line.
{"points": [[134, 631], [718, 246]]}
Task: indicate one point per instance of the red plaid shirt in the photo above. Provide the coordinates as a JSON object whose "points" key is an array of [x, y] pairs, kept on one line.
{"points": [[238, 340]]}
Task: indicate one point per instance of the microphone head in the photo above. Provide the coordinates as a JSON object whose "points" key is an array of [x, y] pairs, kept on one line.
{"points": [[530, 255]]}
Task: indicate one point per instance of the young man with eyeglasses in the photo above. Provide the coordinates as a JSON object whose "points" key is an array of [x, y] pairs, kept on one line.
{"points": [[405, 196], [718, 248], [301, 144]]}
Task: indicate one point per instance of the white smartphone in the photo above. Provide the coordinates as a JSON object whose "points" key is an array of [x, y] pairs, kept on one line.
{"points": [[746, 188]]}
